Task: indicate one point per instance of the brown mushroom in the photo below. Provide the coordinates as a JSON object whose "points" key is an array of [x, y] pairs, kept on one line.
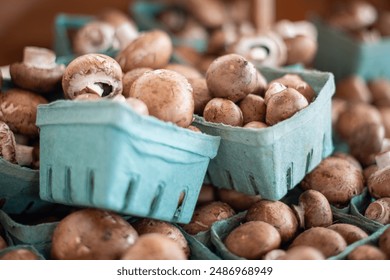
{"points": [[277, 214], [138, 106], [231, 76], [129, 78], [253, 108], [144, 226], [19, 254], [256, 125], [284, 105], [3, 244], [338, 106], [380, 91], [252, 240], [92, 234], [207, 194], [274, 254], [302, 252], [150, 49], [187, 71], [167, 94], [154, 246], [383, 23], [353, 89], [207, 214], [366, 252], [369, 170], [378, 183], [328, 241], [337, 179], [18, 109], [210, 13], [313, 210], [201, 94], [237, 200], [350, 233], [92, 73], [379, 210], [384, 242], [38, 72], [301, 49], [385, 114], [221, 110], [349, 158], [273, 88]]}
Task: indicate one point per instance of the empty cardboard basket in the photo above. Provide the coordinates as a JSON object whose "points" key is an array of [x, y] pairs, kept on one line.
{"points": [[102, 154], [343, 56], [273, 160]]}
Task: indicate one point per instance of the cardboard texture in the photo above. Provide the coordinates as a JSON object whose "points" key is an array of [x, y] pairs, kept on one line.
{"points": [[343, 56], [103, 154], [272, 161]]}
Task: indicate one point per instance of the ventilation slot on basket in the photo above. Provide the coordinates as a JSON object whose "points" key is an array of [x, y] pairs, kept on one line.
{"points": [[68, 185], [255, 187], [155, 203], [309, 158], [230, 179], [49, 184], [324, 145], [180, 205], [289, 177], [90, 186], [131, 187]]}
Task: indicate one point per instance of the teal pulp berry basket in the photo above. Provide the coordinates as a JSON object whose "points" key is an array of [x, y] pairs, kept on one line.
{"points": [[102, 154], [343, 56], [273, 160]]}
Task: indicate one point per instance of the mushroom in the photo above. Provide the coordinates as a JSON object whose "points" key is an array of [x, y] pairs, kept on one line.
{"points": [[201, 94], [273, 88], [252, 240], [1, 80], [221, 110], [369, 170], [253, 108], [207, 194], [187, 71], [284, 105], [277, 214], [337, 179], [383, 23], [38, 72], [313, 210], [350, 233], [167, 94], [137, 105], [384, 242], [206, 215], [274, 254], [18, 109], [92, 234], [3, 244], [378, 183], [151, 49], [92, 73], [349, 158], [302, 252], [19, 254], [210, 14], [231, 76], [379, 210], [145, 226], [87, 97], [301, 49], [380, 91], [129, 78], [366, 252], [353, 89], [255, 125], [328, 241], [290, 29], [385, 114], [237, 200], [296, 82], [7, 143], [338, 106], [154, 246]]}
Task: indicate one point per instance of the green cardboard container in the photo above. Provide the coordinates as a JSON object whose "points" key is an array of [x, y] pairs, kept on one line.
{"points": [[343, 56], [273, 160], [102, 154]]}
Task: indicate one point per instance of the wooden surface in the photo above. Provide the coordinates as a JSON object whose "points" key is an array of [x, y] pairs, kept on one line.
{"points": [[31, 22]]}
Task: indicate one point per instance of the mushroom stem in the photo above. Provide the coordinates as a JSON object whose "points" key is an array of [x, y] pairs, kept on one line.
{"points": [[263, 14], [24, 155], [383, 160], [41, 58], [300, 214]]}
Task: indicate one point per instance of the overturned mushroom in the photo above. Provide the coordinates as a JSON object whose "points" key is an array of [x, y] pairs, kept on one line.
{"points": [[38, 72], [92, 73], [379, 210]]}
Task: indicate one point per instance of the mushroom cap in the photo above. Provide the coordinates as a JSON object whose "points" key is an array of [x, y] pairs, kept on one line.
{"points": [[277, 214], [187, 71], [18, 109], [366, 252], [167, 94], [337, 179], [379, 183], [150, 49], [129, 78], [19, 254], [222, 110], [353, 88], [253, 108], [88, 72], [314, 210], [380, 91], [92, 234], [237, 200], [231, 76], [144, 226], [207, 214], [302, 252], [350, 233], [284, 105], [209, 13], [328, 241], [201, 94], [384, 242], [252, 240], [301, 49], [7, 145], [154, 246], [138, 106]]}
